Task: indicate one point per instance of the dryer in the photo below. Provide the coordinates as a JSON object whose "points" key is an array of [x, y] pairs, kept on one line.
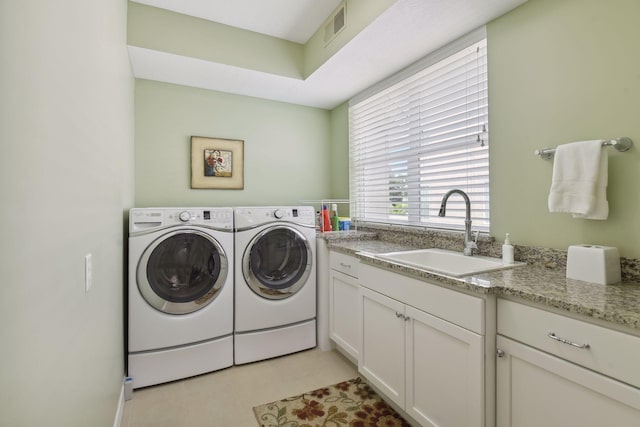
{"points": [[275, 304], [180, 296]]}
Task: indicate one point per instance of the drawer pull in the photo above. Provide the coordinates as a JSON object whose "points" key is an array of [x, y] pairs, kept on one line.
{"points": [[342, 264], [553, 336]]}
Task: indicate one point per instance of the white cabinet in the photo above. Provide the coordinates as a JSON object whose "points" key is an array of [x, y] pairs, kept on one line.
{"points": [[344, 310], [444, 364], [426, 364], [383, 344], [550, 371]]}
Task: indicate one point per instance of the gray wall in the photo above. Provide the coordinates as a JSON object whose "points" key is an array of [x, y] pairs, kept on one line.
{"points": [[286, 147], [66, 128]]}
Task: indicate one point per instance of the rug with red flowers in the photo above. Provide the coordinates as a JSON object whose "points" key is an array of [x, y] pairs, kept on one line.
{"points": [[350, 403]]}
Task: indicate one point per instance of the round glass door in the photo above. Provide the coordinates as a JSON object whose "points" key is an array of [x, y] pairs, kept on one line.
{"points": [[182, 272], [277, 262]]}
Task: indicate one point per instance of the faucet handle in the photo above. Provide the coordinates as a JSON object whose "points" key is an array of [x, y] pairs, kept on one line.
{"points": [[470, 245]]}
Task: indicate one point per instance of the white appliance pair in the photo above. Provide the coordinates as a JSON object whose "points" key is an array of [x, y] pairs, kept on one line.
{"points": [[183, 320]]}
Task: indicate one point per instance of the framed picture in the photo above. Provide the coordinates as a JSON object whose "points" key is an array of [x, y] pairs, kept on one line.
{"points": [[217, 163]]}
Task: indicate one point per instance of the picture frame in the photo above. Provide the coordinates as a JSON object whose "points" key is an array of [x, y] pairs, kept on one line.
{"points": [[217, 163]]}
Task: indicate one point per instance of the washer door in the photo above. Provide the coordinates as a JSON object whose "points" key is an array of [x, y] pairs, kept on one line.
{"points": [[182, 272], [277, 262]]}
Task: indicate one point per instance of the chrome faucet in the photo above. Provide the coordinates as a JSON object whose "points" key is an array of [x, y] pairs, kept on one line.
{"points": [[469, 244]]}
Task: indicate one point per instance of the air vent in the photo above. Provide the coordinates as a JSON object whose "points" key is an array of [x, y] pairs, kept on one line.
{"points": [[335, 24]]}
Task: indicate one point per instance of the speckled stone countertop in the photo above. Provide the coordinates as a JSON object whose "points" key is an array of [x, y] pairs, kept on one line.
{"points": [[541, 281]]}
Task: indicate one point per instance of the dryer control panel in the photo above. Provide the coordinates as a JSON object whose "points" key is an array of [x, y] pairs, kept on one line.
{"points": [[257, 215], [145, 219]]}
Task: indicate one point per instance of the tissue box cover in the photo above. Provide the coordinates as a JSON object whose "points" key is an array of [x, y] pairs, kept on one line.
{"points": [[593, 263]]}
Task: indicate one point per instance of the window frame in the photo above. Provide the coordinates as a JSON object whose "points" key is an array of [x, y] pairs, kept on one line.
{"points": [[411, 188]]}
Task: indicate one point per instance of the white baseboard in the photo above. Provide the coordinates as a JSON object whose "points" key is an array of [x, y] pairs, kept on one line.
{"points": [[118, 420]]}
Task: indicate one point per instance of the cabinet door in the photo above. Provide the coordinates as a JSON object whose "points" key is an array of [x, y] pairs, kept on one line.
{"points": [[383, 344], [538, 389], [445, 366], [344, 313]]}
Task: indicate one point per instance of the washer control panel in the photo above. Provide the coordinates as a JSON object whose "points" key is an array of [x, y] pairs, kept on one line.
{"points": [[144, 219]]}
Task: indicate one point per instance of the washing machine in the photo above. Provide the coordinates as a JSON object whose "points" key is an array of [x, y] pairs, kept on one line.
{"points": [[275, 305], [180, 298]]}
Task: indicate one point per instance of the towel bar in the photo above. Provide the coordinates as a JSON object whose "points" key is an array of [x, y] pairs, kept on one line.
{"points": [[620, 144]]}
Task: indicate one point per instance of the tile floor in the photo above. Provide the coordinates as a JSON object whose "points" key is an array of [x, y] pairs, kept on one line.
{"points": [[225, 398]]}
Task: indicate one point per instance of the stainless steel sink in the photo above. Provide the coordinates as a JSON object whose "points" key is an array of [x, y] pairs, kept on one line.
{"points": [[447, 262]]}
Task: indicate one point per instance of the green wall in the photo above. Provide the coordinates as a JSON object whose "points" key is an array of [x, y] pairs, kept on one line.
{"points": [[286, 147], [66, 126], [563, 71], [339, 149], [163, 30], [166, 31], [559, 71]]}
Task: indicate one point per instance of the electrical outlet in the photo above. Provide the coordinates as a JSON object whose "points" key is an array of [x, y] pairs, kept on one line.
{"points": [[88, 272]]}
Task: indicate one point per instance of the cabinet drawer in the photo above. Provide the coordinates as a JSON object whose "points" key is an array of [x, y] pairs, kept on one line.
{"points": [[535, 388], [610, 352], [346, 264]]}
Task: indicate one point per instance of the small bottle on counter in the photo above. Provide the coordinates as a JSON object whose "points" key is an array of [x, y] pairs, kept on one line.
{"points": [[334, 217], [507, 251], [326, 220]]}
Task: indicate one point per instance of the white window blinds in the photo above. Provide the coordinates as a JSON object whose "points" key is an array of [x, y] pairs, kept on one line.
{"points": [[422, 135]]}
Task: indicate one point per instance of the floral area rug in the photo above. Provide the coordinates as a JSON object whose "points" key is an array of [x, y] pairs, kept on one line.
{"points": [[350, 403]]}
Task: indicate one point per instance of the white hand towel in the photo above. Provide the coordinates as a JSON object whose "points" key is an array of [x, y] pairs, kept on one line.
{"points": [[579, 183]]}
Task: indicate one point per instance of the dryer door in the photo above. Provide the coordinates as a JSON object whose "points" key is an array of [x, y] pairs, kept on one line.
{"points": [[277, 262], [182, 272]]}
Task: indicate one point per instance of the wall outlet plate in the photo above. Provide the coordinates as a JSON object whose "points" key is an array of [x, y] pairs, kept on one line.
{"points": [[88, 272]]}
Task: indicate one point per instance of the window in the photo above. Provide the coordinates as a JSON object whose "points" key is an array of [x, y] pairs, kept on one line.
{"points": [[420, 134]]}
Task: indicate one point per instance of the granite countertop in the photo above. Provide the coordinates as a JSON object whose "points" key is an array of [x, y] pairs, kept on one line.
{"points": [[618, 304]]}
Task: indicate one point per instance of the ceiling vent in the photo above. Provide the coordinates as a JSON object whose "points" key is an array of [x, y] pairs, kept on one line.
{"points": [[335, 24]]}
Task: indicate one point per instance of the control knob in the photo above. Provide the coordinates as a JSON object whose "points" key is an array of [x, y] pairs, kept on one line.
{"points": [[184, 216], [279, 213]]}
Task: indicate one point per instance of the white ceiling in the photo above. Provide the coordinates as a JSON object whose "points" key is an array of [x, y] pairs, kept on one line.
{"points": [[406, 32]]}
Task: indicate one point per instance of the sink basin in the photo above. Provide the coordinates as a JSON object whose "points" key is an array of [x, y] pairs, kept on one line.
{"points": [[447, 262]]}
